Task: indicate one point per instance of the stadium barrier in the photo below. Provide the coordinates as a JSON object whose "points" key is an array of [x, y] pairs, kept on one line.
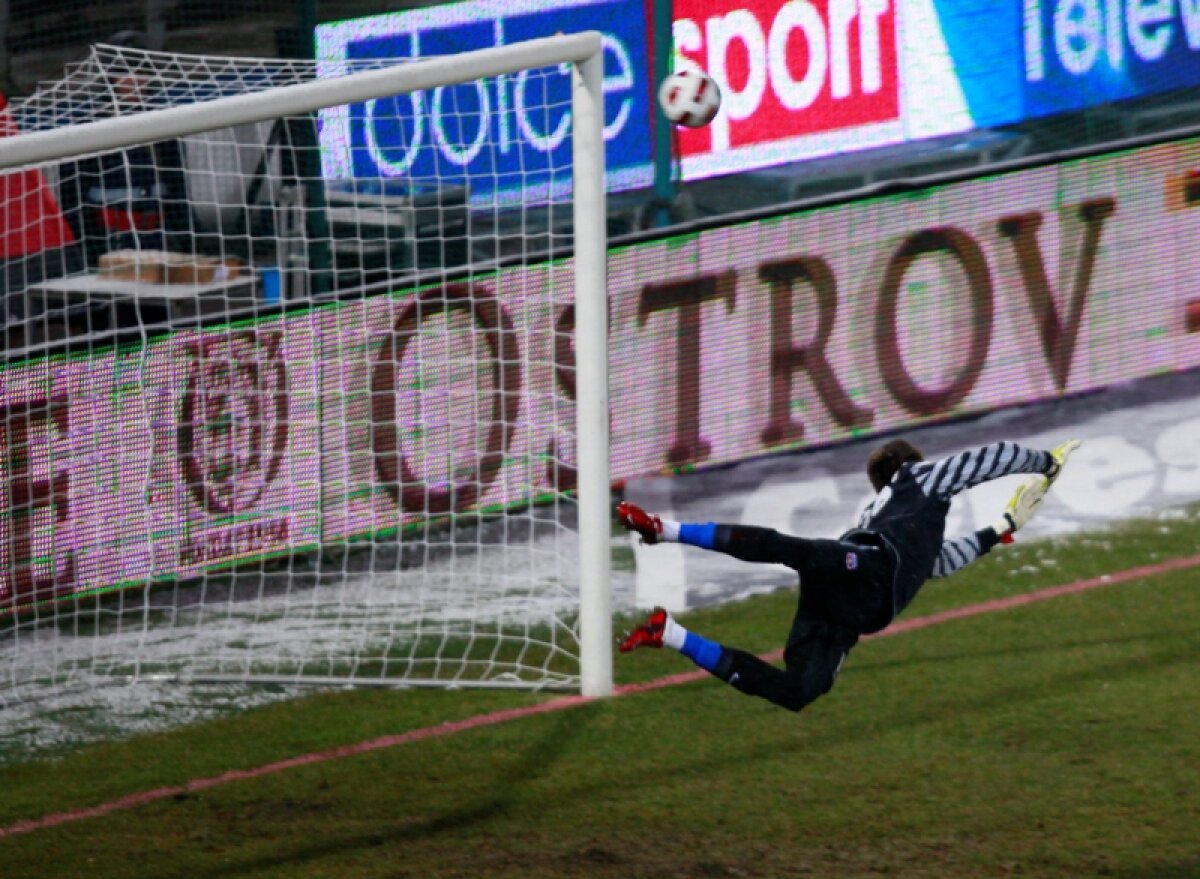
{"points": [[779, 333]]}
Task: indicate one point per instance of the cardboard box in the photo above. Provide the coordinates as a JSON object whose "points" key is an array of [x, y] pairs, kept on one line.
{"points": [[163, 267], [144, 266]]}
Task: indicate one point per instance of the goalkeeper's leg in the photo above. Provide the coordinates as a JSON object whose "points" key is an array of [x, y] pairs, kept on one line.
{"points": [[745, 542], [812, 659], [748, 543]]}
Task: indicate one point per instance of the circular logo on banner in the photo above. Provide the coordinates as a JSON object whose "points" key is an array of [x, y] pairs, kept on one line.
{"points": [[445, 397], [233, 420]]}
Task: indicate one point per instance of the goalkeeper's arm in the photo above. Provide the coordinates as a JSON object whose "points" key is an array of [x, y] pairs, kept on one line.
{"points": [[960, 552], [1030, 494], [956, 554]]}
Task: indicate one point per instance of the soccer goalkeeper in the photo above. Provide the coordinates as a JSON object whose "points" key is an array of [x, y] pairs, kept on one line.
{"points": [[856, 584]]}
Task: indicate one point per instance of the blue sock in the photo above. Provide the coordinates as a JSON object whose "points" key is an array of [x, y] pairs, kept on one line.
{"points": [[701, 651], [701, 535]]}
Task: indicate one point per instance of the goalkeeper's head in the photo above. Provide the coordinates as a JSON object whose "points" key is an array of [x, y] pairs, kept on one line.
{"points": [[888, 458]]}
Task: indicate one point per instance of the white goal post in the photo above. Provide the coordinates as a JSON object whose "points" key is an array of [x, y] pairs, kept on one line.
{"points": [[44, 628]]}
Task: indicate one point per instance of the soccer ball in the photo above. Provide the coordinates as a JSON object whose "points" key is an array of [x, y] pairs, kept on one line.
{"points": [[689, 97]]}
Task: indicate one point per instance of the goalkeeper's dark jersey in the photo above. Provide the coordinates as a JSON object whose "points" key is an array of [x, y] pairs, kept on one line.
{"points": [[908, 516]]}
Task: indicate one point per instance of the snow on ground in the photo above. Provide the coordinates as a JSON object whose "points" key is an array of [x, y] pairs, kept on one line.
{"points": [[357, 605]]}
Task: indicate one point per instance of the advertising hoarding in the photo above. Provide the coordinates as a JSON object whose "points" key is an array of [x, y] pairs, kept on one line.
{"points": [[392, 456], [790, 332], [809, 79], [502, 137], [1089, 52], [157, 462], [1018, 61], [793, 77], [801, 78]]}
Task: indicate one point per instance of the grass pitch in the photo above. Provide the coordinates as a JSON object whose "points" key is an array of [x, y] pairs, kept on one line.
{"points": [[1056, 739]]}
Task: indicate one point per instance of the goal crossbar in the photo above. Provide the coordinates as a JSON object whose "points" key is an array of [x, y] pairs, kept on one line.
{"points": [[295, 100]]}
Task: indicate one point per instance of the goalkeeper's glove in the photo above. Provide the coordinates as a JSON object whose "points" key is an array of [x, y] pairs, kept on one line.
{"points": [[1059, 454], [1021, 506]]}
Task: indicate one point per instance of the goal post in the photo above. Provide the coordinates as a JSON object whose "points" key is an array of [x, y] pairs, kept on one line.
{"points": [[361, 565], [591, 347]]}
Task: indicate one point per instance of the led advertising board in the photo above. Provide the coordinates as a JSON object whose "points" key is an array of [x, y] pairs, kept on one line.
{"points": [[797, 331], [504, 136], [801, 78], [157, 462], [807, 79], [794, 77], [1017, 61], [1085, 52]]}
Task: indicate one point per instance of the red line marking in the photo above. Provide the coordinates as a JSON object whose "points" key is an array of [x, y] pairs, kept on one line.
{"points": [[497, 717]]}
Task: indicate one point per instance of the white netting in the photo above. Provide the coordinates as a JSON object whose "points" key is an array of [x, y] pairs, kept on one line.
{"points": [[261, 423], [117, 80]]}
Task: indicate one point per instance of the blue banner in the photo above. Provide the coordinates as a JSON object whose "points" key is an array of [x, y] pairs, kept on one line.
{"points": [[1088, 52], [505, 137], [1036, 58]]}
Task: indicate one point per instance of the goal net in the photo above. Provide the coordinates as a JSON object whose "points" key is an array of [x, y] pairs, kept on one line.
{"points": [[305, 374]]}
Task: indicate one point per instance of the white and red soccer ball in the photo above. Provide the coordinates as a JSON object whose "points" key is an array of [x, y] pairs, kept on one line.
{"points": [[689, 97]]}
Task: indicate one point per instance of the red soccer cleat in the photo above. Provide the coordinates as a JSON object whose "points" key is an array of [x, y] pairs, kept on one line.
{"points": [[649, 633], [636, 519]]}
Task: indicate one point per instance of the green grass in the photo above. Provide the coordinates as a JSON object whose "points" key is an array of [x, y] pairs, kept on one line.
{"points": [[1058, 739]]}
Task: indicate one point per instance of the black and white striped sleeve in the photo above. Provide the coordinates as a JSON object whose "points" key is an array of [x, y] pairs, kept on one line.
{"points": [[960, 552], [949, 476]]}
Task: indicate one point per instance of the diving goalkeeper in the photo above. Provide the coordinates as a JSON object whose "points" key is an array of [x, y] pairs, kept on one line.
{"points": [[857, 584]]}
